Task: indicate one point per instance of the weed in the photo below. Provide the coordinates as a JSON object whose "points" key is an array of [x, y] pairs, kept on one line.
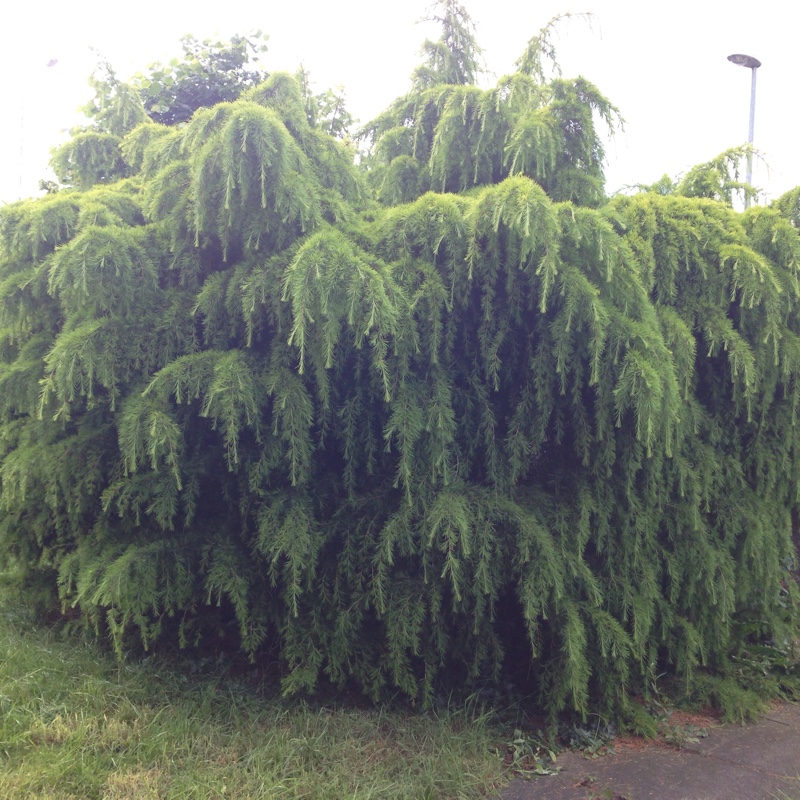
{"points": [[528, 755], [593, 740]]}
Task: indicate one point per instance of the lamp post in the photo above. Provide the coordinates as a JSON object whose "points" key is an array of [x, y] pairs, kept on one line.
{"points": [[752, 64]]}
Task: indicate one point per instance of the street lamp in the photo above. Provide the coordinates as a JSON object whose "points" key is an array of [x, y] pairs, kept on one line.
{"points": [[752, 64]]}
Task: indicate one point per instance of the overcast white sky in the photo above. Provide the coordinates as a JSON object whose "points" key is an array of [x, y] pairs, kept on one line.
{"points": [[663, 64]]}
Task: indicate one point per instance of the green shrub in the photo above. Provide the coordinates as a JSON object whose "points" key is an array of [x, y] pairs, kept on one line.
{"points": [[396, 441]]}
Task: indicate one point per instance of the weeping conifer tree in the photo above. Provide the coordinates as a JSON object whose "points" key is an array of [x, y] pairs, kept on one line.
{"points": [[393, 420]]}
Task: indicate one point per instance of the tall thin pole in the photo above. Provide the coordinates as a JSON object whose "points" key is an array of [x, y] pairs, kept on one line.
{"points": [[742, 60], [750, 134]]}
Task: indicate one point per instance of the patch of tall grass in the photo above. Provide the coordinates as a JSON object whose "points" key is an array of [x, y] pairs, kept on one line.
{"points": [[77, 724]]}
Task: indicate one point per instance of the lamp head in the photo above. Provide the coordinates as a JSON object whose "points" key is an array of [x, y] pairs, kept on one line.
{"points": [[744, 61]]}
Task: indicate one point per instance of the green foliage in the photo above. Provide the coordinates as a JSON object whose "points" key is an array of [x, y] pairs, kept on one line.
{"points": [[453, 58], [92, 155], [411, 423], [326, 110], [719, 178], [541, 48], [449, 135], [207, 73], [116, 107], [87, 159]]}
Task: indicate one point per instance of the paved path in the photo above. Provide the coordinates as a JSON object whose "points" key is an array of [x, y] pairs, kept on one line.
{"points": [[760, 761]]}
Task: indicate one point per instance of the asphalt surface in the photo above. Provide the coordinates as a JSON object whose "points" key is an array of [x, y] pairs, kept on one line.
{"points": [[759, 761]]}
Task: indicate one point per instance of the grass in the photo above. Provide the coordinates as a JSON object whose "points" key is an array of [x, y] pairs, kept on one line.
{"points": [[74, 723], [784, 796]]}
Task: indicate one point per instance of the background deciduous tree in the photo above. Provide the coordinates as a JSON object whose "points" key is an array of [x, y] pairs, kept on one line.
{"points": [[207, 73]]}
